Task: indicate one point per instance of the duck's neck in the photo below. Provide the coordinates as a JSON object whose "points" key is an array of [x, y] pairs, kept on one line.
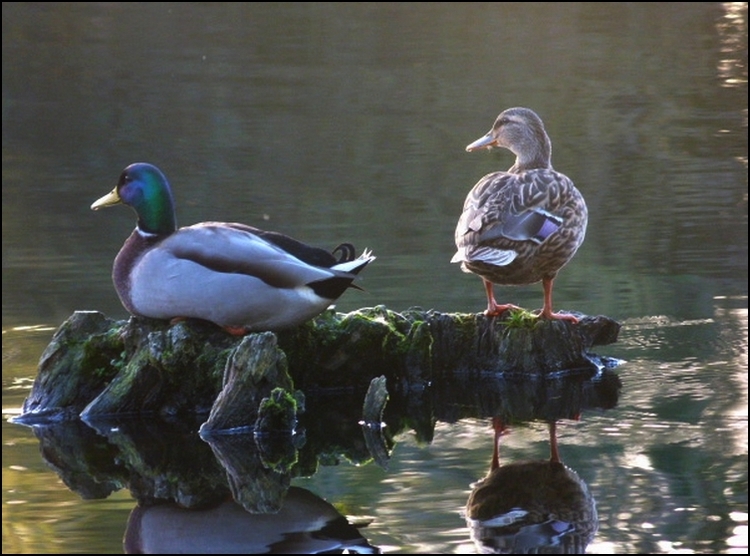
{"points": [[533, 153], [157, 216]]}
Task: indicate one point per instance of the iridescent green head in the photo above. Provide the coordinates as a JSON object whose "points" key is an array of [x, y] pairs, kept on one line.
{"points": [[144, 188]]}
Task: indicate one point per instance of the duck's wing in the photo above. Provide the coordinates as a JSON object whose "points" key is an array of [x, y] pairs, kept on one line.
{"points": [[504, 209], [240, 249], [304, 252]]}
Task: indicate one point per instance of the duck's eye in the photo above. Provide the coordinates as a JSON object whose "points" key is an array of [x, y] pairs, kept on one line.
{"points": [[124, 180]]}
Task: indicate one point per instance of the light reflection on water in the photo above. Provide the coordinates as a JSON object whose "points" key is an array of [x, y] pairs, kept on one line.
{"points": [[411, 515]]}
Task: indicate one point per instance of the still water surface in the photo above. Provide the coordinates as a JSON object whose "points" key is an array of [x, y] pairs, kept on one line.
{"points": [[338, 122]]}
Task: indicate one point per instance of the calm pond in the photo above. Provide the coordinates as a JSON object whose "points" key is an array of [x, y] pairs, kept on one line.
{"points": [[336, 122]]}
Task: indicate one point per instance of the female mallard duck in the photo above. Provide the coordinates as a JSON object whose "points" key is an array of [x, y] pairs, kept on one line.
{"points": [[521, 226], [239, 277], [531, 507]]}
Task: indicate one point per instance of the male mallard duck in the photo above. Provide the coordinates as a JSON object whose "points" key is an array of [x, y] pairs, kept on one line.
{"points": [[521, 226], [239, 277], [304, 524]]}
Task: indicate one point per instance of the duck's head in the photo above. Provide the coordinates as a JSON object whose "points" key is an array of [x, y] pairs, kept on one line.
{"points": [[143, 187], [522, 132]]}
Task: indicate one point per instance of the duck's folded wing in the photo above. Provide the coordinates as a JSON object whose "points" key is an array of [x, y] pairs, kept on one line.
{"points": [[533, 225], [230, 249], [307, 253], [513, 207]]}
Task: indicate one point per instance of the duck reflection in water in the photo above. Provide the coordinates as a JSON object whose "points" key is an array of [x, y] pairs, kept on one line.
{"points": [[306, 524], [531, 507]]}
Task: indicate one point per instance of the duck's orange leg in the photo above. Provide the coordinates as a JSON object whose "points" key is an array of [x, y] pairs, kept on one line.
{"points": [[500, 429], [547, 312], [493, 308], [236, 330]]}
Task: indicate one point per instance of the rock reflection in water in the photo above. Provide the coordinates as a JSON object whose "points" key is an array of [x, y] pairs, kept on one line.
{"points": [[236, 489], [531, 507]]}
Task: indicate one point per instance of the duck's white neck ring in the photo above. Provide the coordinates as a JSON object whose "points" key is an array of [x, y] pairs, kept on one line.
{"points": [[144, 234]]}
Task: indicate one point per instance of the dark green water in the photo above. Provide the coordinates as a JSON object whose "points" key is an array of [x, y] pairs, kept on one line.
{"points": [[337, 122]]}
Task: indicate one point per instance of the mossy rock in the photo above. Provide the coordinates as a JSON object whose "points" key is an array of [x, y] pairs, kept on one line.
{"points": [[97, 367]]}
